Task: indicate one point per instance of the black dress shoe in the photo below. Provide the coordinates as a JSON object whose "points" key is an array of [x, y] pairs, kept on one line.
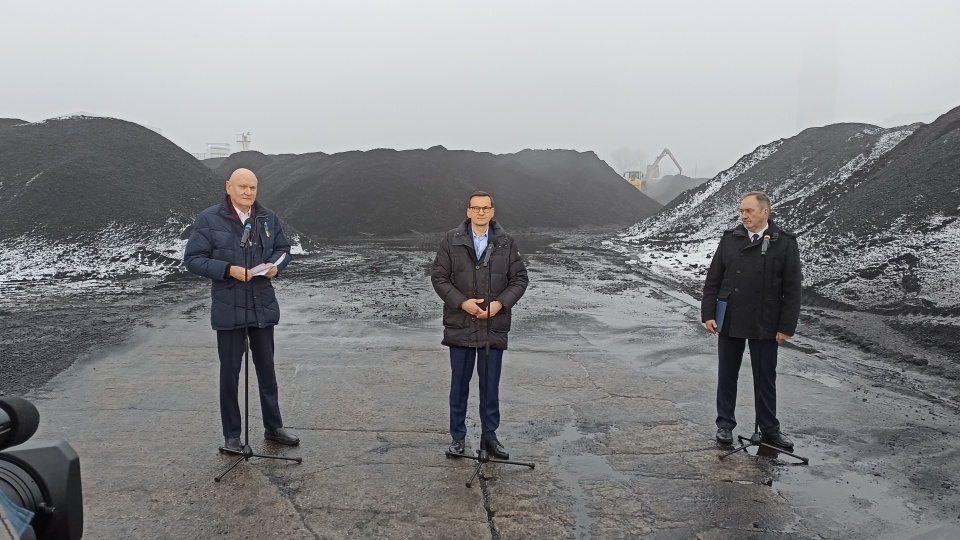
{"points": [[724, 436], [777, 439], [456, 446], [495, 449], [231, 445], [281, 436]]}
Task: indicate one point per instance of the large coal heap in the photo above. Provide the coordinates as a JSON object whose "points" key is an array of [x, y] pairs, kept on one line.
{"points": [[389, 193], [919, 180], [875, 211], [70, 176], [803, 175]]}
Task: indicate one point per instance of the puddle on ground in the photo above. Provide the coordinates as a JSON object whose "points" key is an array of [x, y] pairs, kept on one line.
{"points": [[574, 466]]}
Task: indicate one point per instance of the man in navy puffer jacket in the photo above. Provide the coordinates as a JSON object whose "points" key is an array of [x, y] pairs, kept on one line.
{"points": [[242, 302]]}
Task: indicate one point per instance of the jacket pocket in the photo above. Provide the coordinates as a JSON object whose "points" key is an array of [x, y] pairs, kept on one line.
{"points": [[455, 318]]}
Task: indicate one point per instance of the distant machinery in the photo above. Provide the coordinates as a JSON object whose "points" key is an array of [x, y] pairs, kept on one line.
{"points": [[218, 150], [639, 179], [243, 142]]}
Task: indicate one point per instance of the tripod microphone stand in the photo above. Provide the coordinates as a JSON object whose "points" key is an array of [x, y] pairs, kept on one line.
{"points": [[482, 455], [755, 440], [247, 452]]}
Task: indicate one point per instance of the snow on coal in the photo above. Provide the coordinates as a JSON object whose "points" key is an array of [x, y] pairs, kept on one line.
{"points": [[84, 197], [893, 240], [389, 193], [812, 177]]}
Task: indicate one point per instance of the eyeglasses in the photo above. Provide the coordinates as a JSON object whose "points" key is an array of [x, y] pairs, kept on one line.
{"points": [[480, 209]]}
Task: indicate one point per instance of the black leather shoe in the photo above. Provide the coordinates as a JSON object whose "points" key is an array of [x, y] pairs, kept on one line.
{"points": [[495, 449], [456, 446], [777, 439], [281, 436], [724, 436], [231, 445]]}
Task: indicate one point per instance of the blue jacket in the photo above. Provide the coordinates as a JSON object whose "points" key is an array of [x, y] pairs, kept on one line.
{"points": [[215, 243]]}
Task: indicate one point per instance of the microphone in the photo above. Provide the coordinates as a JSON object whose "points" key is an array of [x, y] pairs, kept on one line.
{"points": [[247, 227], [18, 421], [765, 245]]}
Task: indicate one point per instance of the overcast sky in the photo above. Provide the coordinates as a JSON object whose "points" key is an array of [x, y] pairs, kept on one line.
{"points": [[710, 80]]}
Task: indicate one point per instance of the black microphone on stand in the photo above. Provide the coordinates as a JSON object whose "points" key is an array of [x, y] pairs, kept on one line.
{"points": [[765, 245], [247, 227]]}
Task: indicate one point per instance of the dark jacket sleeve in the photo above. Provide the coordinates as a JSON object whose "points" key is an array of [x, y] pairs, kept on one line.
{"points": [[440, 277], [792, 286], [517, 279], [711, 286], [197, 255]]}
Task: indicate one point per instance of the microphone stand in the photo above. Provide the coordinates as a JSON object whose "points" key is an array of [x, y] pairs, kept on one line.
{"points": [[754, 440], [247, 452], [482, 455]]}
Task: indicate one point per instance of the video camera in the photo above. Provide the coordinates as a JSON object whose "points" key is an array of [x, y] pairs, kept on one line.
{"points": [[40, 480]]}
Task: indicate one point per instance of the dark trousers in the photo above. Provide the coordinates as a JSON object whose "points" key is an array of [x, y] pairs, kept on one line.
{"points": [[763, 360], [230, 347], [462, 360]]}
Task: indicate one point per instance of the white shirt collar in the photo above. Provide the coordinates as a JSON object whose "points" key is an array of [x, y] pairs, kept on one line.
{"points": [[760, 233], [244, 216]]}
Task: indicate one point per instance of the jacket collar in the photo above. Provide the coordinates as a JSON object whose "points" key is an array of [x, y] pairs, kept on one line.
{"points": [[772, 229], [227, 209], [465, 236]]}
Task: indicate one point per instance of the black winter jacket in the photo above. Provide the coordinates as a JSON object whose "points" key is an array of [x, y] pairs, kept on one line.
{"points": [[762, 291], [215, 243], [458, 275]]}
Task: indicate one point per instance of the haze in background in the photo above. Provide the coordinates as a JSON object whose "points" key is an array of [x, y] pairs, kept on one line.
{"points": [[709, 80]]}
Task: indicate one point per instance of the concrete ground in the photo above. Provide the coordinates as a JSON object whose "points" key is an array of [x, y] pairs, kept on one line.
{"points": [[608, 388]]}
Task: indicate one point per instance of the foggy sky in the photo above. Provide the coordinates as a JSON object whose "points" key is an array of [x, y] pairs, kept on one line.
{"points": [[709, 80]]}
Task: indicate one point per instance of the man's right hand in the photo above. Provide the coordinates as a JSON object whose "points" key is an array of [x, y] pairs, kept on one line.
{"points": [[470, 306], [240, 273], [711, 326]]}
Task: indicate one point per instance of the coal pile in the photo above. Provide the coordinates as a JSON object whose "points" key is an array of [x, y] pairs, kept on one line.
{"points": [[667, 188], [894, 240], [875, 210], [77, 175], [388, 193], [95, 197]]}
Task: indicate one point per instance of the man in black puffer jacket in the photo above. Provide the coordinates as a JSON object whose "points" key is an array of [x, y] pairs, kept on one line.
{"points": [[479, 275], [756, 276], [242, 302]]}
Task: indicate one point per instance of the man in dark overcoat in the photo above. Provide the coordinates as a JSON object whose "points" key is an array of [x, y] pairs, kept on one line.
{"points": [[243, 303], [480, 276], [755, 275]]}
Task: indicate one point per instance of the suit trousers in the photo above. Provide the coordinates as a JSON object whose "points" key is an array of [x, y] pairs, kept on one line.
{"points": [[230, 346], [462, 360], [763, 360]]}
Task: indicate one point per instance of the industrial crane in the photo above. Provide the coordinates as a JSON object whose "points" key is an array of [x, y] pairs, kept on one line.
{"points": [[639, 179]]}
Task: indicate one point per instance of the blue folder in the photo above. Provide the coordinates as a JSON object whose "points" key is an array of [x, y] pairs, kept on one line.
{"points": [[720, 312]]}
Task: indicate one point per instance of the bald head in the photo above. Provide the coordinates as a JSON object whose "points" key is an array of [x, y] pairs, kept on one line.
{"points": [[242, 188]]}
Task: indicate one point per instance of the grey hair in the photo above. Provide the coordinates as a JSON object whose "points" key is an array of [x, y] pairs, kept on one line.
{"points": [[761, 198]]}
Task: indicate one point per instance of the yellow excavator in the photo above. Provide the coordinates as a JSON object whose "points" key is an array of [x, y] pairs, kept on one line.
{"points": [[639, 179]]}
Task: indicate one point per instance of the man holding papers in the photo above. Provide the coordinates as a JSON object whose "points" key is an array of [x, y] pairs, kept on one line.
{"points": [[240, 246], [752, 294]]}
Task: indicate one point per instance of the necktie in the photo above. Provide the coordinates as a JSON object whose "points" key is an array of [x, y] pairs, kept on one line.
{"points": [[754, 238]]}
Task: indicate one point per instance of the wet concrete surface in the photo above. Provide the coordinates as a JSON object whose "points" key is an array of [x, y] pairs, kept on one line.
{"points": [[608, 388]]}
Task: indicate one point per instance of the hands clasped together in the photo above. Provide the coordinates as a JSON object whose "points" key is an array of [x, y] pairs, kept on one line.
{"points": [[472, 306]]}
